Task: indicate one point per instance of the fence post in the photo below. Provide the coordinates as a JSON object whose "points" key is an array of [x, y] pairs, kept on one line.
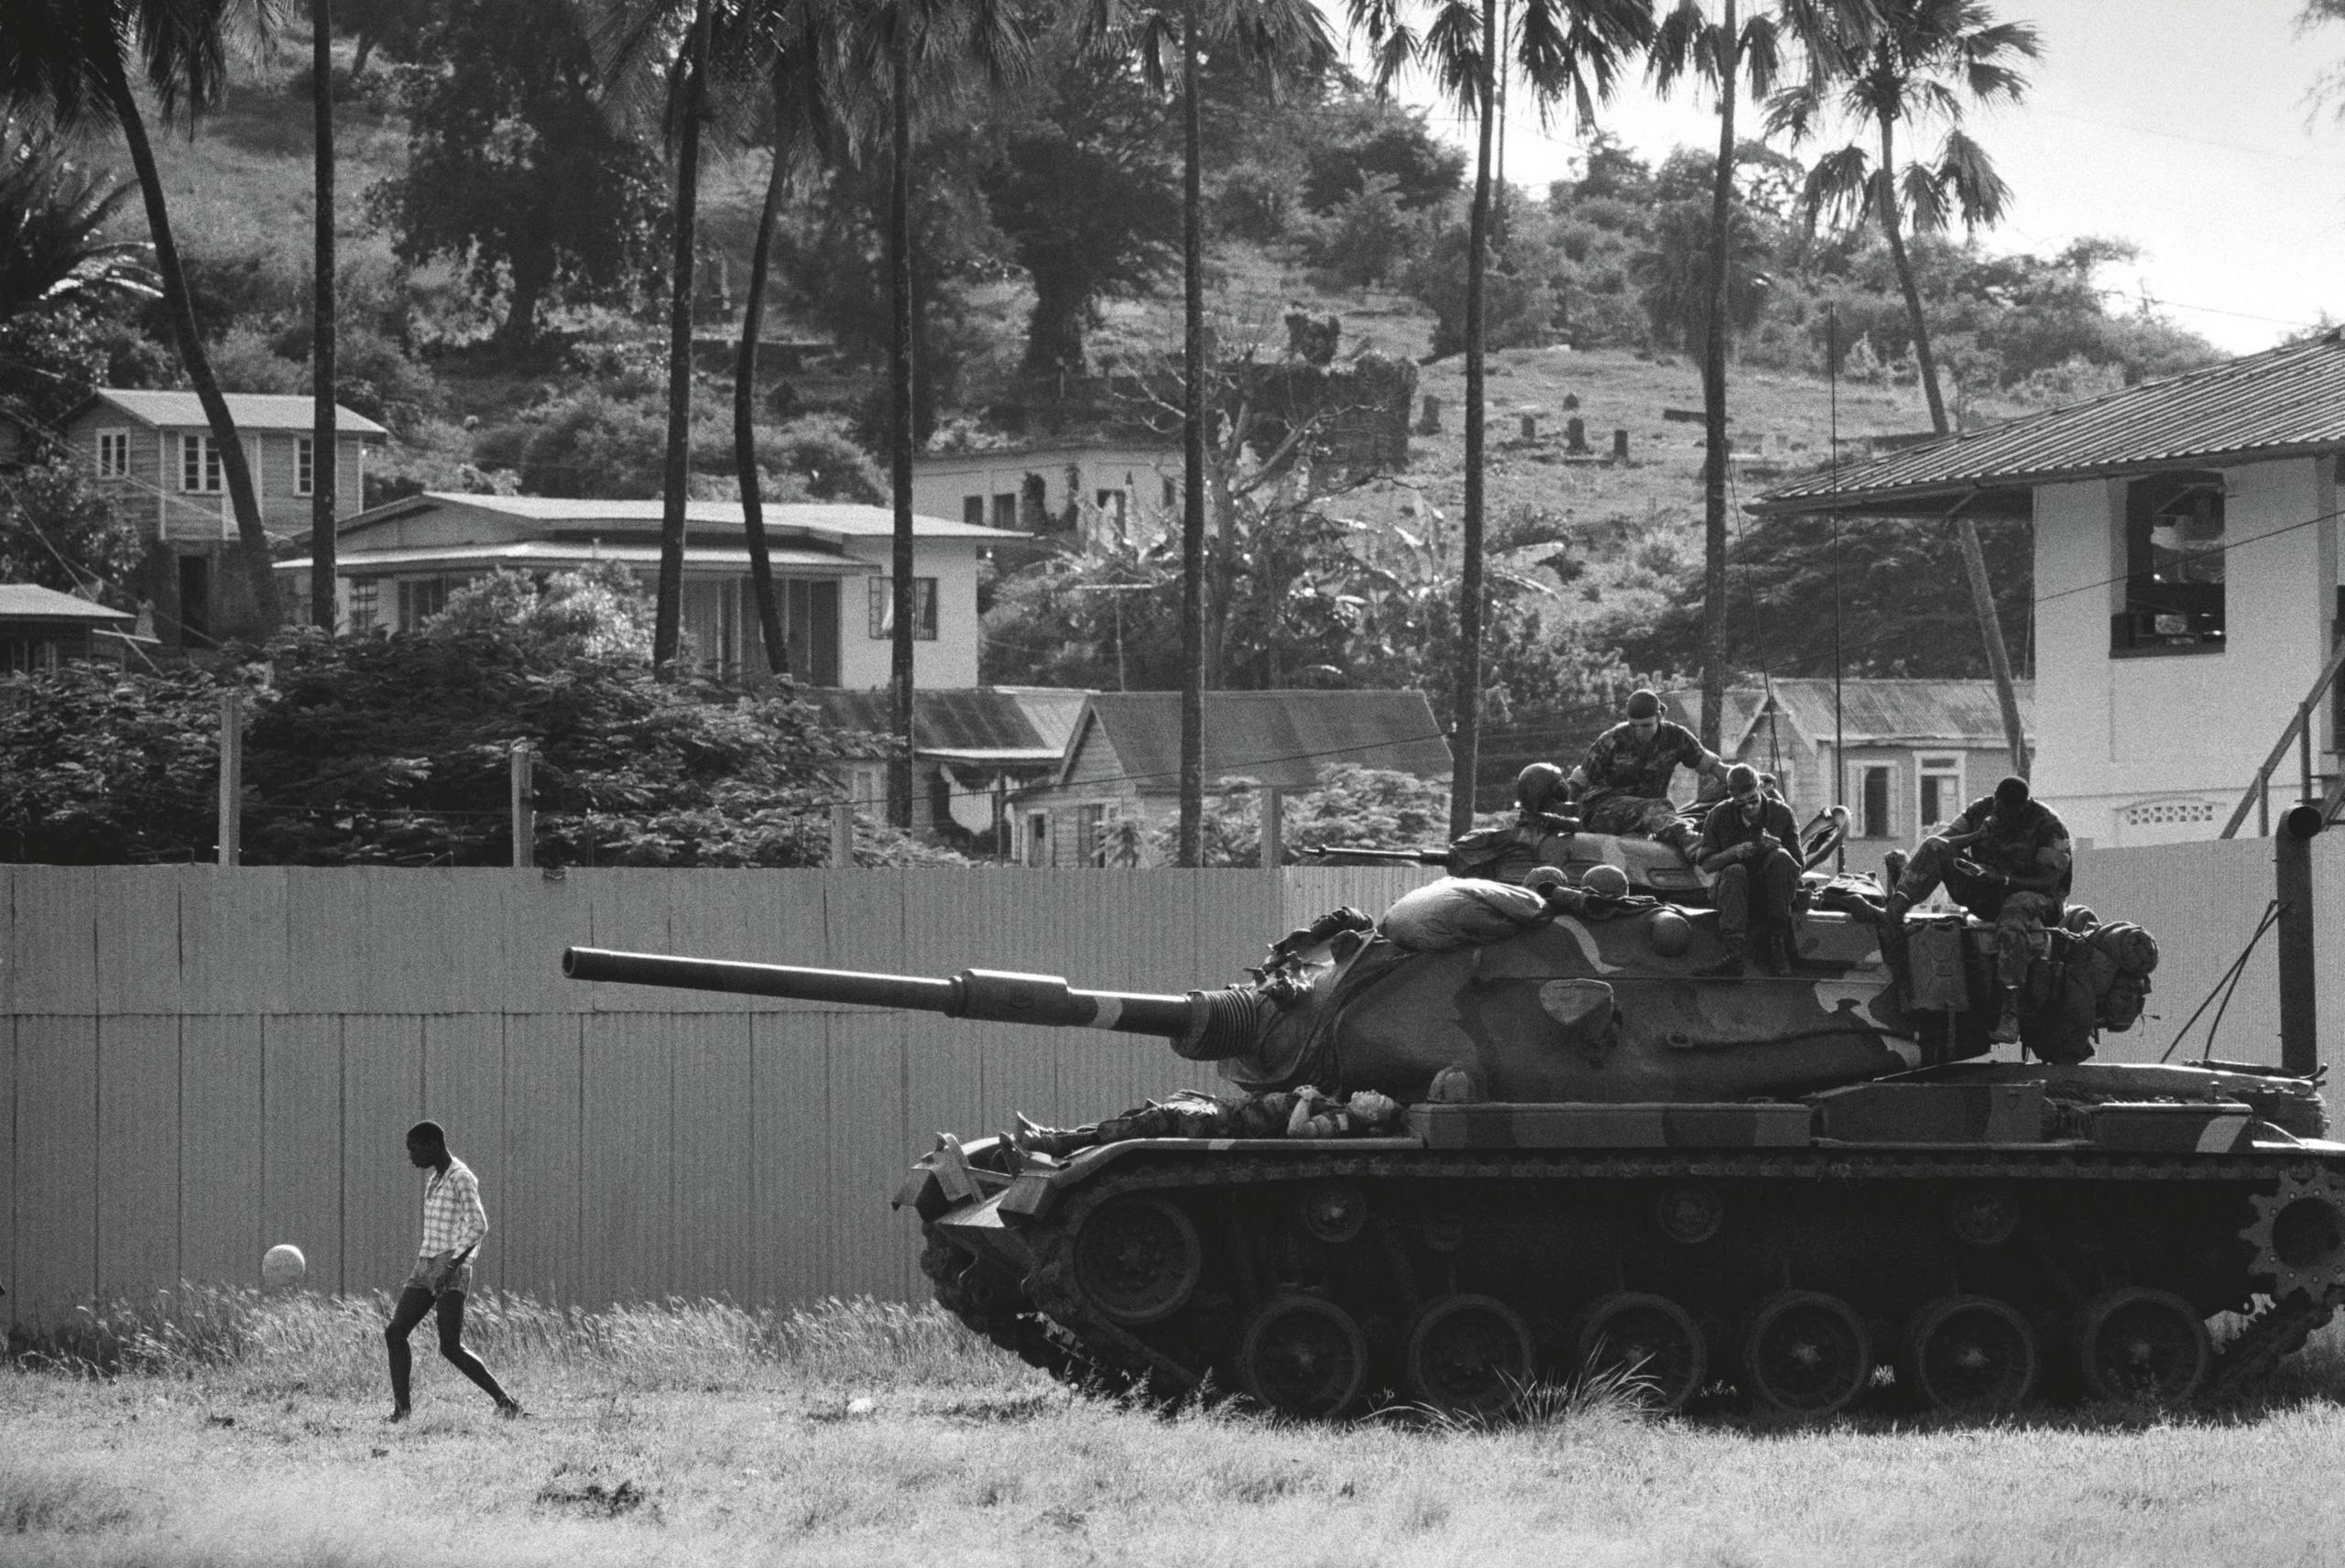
{"points": [[1273, 809], [525, 814], [843, 835], [231, 775]]}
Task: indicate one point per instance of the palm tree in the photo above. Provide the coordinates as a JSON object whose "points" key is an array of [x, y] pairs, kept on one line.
{"points": [[634, 35], [323, 433], [71, 60], [1562, 49], [1920, 63], [53, 249], [799, 40], [1723, 51], [1283, 36], [939, 47]]}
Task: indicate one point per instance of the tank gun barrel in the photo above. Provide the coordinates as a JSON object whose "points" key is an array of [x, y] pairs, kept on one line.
{"points": [[991, 995]]}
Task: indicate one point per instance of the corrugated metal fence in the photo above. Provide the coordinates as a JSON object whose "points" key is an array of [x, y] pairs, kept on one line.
{"points": [[196, 1063], [200, 1062]]}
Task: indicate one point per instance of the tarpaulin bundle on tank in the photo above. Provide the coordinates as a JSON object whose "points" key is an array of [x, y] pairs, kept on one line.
{"points": [[1466, 911]]}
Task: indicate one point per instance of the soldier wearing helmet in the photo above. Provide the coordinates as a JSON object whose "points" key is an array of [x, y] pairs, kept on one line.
{"points": [[2006, 859], [1746, 845], [1623, 785]]}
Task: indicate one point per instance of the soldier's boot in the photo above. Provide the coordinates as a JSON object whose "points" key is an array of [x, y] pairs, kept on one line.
{"points": [[1782, 950], [1893, 912], [1734, 957], [2006, 1030]]}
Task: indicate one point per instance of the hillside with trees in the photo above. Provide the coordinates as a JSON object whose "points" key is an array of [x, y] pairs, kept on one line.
{"points": [[505, 304]]}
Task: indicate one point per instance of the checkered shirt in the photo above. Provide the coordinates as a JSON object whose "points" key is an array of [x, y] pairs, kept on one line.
{"points": [[452, 1216]]}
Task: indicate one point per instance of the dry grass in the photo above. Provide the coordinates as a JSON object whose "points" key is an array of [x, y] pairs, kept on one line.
{"points": [[858, 1433]]}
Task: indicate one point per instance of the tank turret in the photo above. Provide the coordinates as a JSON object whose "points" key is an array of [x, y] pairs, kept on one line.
{"points": [[1493, 992]]}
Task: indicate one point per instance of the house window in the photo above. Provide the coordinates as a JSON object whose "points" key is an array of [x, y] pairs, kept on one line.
{"points": [[305, 466], [1171, 494], [1005, 509], [883, 608], [973, 510], [809, 629], [365, 604], [1037, 838], [200, 471], [113, 454], [1091, 835], [1873, 817], [1941, 781], [2173, 565], [1111, 506], [420, 600]]}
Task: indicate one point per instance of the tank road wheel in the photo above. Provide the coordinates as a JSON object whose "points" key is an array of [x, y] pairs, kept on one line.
{"points": [[1649, 1340], [1470, 1354], [1303, 1357], [1689, 1213], [1983, 1214], [2140, 1344], [2298, 1234], [1334, 1211], [1970, 1354], [1138, 1260], [1805, 1354]]}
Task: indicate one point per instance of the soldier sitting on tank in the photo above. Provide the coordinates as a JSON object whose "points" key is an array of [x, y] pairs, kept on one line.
{"points": [[2006, 859], [1623, 785], [1746, 845]]}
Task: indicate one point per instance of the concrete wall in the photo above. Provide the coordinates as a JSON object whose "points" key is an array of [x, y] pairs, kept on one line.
{"points": [[2158, 748]]}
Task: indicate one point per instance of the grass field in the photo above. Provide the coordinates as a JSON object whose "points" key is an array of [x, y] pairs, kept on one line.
{"points": [[235, 1431]]}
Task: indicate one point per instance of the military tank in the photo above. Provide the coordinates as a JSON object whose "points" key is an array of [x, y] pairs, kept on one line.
{"points": [[1509, 1133]]}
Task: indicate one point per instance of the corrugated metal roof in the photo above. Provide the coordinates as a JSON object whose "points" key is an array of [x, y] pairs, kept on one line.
{"points": [[1282, 739], [2285, 401], [564, 512], [1873, 712], [29, 602], [988, 723], [524, 554], [251, 410]]}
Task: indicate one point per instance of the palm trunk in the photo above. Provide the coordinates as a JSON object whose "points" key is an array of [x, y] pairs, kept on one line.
{"points": [[899, 403], [266, 612], [1714, 403], [668, 622], [323, 432], [1974, 559], [1466, 749], [745, 432], [1193, 456]]}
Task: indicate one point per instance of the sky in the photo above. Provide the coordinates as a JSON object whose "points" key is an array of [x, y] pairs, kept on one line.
{"points": [[2185, 127]]}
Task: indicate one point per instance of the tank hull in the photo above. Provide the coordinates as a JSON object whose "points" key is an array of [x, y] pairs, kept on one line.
{"points": [[2085, 1238]]}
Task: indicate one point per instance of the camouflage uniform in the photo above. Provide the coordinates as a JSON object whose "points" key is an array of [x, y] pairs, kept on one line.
{"points": [[1628, 781], [2032, 844], [1757, 889]]}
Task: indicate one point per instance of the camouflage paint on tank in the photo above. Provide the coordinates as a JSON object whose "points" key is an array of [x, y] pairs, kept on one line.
{"points": [[1585, 1009]]}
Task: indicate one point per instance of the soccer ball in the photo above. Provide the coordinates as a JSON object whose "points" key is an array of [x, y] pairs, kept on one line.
{"points": [[283, 1266]]}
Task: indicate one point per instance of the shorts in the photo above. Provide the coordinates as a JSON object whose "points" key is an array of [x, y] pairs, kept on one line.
{"points": [[458, 1282]]}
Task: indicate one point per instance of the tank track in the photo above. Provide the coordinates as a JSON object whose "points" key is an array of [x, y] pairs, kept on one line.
{"points": [[1189, 1351]]}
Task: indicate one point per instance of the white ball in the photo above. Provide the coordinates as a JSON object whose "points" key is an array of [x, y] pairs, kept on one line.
{"points": [[283, 1266]]}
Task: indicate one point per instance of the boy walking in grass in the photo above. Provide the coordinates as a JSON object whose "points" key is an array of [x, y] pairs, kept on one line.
{"points": [[453, 1224]]}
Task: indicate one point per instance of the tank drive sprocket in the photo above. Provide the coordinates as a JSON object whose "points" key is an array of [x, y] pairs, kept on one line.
{"points": [[2298, 1234]]}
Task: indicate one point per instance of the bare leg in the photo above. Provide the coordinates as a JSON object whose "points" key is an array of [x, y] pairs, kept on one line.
{"points": [[452, 1345], [414, 1302]]}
